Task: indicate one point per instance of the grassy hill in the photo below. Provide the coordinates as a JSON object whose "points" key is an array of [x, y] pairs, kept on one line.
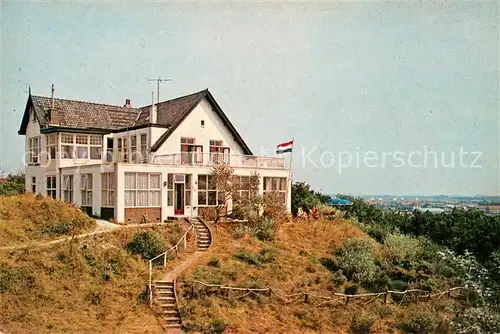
{"points": [[27, 218], [97, 284], [91, 285], [318, 257]]}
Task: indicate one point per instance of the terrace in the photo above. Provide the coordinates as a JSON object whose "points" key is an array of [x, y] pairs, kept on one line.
{"points": [[211, 159]]}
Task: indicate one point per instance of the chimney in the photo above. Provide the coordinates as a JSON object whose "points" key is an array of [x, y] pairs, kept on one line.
{"points": [[52, 96], [128, 104], [153, 112]]}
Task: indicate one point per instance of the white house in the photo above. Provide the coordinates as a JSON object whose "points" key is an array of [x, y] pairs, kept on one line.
{"points": [[124, 162]]}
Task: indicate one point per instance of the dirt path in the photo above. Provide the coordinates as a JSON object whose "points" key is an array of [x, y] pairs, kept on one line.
{"points": [[102, 227], [183, 265]]}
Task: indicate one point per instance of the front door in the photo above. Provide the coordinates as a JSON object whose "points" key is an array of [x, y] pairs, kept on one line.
{"points": [[179, 199]]}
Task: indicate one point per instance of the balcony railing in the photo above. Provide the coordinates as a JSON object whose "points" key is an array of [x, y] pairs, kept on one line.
{"points": [[211, 159]]}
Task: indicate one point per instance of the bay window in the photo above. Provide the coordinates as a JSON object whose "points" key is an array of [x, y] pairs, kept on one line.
{"points": [[81, 146]]}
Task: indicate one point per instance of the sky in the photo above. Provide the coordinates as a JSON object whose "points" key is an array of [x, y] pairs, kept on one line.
{"points": [[380, 98]]}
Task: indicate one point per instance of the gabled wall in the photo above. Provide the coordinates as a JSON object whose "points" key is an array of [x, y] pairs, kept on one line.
{"points": [[191, 128]]}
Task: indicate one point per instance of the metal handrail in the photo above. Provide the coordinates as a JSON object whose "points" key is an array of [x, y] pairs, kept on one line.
{"points": [[214, 158], [164, 254]]}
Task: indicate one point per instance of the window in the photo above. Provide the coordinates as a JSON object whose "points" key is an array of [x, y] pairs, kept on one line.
{"points": [[52, 146], [67, 146], [86, 189], [51, 187], [133, 148], [95, 145], [242, 186], [109, 150], [142, 190], [108, 190], [33, 115], [34, 150], [67, 187], [122, 150], [187, 187], [276, 185], [207, 193], [187, 147], [170, 190], [202, 123], [81, 146], [218, 153], [144, 148], [33, 184]]}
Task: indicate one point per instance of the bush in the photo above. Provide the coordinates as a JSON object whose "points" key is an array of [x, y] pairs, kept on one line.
{"points": [[400, 248], [214, 262], [146, 244], [421, 322], [266, 228], [217, 326], [362, 322], [354, 257], [476, 321]]}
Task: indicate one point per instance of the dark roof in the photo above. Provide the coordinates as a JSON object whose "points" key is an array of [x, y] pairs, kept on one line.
{"points": [[79, 115], [172, 111], [93, 116]]}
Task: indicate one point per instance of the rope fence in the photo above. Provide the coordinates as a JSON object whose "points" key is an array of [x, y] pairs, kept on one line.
{"points": [[230, 292]]}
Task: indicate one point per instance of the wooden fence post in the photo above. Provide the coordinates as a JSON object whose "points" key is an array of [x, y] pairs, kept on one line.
{"points": [[347, 300], [385, 296], [306, 296], [192, 290]]}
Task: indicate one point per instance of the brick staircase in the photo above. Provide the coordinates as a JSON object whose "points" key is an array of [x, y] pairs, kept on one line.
{"points": [[166, 300], [203, 234]]}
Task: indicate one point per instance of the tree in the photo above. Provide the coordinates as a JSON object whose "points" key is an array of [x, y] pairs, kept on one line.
{"points": [[14, 185], [303, 197], [228, 187]]}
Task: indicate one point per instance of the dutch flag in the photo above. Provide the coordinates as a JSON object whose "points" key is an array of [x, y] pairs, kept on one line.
{"points": [[284, 147]]}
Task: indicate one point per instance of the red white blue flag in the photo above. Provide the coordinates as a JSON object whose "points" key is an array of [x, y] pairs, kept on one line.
{"points": [[284, 147]]}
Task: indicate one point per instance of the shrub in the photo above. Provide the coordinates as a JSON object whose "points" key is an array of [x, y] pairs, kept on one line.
{"points": [[214, 262], [146, 244], [266, 228], [400, 248], [217, 326], [248, 257], [362, 322], [241, 230], [476, 321], [421, 322], [354, 257]]}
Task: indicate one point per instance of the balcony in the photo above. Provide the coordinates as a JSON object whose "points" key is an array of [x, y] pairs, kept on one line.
{"points": [[211, 159]]}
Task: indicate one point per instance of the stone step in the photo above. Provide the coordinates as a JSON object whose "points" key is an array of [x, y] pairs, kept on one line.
{"points": [[161, 294], [166, 299], [168, 307], [163, 283], [173, 313], [173, 325], [172, 320]]}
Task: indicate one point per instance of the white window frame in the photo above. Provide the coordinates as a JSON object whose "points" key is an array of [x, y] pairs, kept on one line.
{"points": [[52, 146], [144, 147], [86, 189], [51, 182], [34, 149], [275, 185], [81, 146], [209, 190], [133, 149], [142, 190], [108, 190], [67, 186]]}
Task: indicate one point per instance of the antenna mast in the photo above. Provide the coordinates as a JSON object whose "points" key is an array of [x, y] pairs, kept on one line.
{"points": [[158, 86]]}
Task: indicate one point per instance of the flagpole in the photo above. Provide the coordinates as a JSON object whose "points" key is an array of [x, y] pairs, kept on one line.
{"points": [[289, 183]]}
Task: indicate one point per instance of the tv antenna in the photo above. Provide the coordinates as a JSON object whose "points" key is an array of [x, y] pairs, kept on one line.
{"points": [[158, 87]]}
